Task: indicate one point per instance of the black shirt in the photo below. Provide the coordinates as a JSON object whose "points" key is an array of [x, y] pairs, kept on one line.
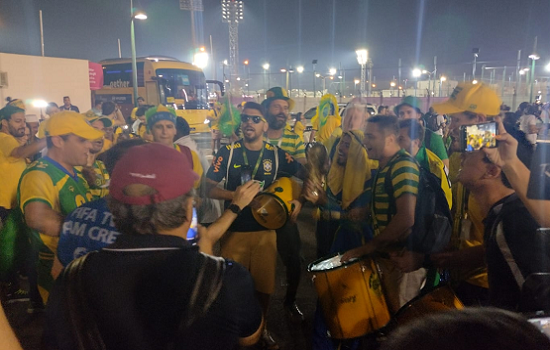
{"points": [[288, 166], [140, 287], [527, 247]]}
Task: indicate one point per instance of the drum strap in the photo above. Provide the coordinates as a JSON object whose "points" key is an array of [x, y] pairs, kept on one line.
{"points": [[229, 165]]}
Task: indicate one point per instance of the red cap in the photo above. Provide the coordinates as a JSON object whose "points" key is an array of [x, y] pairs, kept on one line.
{"points": [[163, 168]]}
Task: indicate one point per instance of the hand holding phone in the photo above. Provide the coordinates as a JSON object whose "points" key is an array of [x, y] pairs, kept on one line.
{"points": [[478, 136]]}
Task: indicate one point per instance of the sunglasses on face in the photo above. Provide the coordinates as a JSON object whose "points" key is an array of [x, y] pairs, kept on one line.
{"points": [[256, 119]]}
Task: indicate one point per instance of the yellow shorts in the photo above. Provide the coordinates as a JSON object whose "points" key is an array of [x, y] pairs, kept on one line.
{"points": [[257, 252]]}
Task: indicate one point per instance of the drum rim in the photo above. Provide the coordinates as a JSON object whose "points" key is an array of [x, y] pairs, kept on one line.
{"points": [[346, 264], [287, 214]]}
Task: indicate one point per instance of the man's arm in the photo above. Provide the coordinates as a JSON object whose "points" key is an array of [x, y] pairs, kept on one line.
{"points": [[28, 151], [242, 197], [396, 231], [40, 217], [215, 192]]}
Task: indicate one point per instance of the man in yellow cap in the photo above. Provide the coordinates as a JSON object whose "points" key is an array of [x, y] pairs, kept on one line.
{"points": [[51, 188], [468, 104]]}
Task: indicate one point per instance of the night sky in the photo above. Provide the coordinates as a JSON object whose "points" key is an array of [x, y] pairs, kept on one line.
{"points": [[292, 32]]}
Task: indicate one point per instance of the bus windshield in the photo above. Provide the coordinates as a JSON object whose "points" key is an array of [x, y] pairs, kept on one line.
{"points": [[183, 84]]}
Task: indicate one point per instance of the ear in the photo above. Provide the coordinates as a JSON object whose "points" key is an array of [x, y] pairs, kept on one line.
{"points": [[5, 124], [417, 143], [493, 172], [57, 141], [265, 127]]}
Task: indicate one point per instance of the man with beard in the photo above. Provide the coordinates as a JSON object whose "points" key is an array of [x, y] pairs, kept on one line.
{"points": [[51, 188], [247, 242], [12, 164], [12, 154], [278, 106]]}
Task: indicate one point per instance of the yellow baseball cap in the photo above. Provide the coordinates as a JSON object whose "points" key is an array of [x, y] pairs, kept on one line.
{"points": [[475, 98], [69, 122]]}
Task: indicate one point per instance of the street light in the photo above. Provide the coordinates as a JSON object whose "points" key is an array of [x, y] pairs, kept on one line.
{"points": [[265, 66], [362, 58], [392, 84], [441, 80], [140, 15], [416, 73], [534, 57], [201, 58], [300, 69], [474, 81], [283, 70], [318, 75], [547, 68], [332, 71]]}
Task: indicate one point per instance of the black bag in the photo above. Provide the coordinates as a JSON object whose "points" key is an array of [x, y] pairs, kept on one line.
{"points": [[433, 222]]}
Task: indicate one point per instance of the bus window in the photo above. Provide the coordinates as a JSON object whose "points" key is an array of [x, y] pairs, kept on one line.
{"points": [[182, 84]]}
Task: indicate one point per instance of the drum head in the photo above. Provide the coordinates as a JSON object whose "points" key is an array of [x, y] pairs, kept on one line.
{"points": [[272, 213], [330, 262]]}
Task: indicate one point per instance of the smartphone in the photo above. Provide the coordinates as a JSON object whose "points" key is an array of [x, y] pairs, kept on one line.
{"points": [[475, 137], [246, 174], [192, 233], [542, 323]]}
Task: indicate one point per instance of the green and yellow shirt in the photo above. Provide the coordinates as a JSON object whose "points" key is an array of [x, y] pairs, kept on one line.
{"points": [[404, 180]]}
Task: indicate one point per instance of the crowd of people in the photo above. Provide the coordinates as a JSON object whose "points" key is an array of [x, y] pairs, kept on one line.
{"points": [[99, 212]]}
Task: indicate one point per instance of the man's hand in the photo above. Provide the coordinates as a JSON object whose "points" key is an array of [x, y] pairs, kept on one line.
{"points": [[506, 151], [315, 193], [89, 174], [296, 207], [244, 194], [407, 261], [206, 240], [357, 252]]}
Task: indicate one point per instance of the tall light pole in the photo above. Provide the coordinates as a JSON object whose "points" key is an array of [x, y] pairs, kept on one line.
{"points": [[534, 57], [247, 68], [135, 14], [369, 66], [441, 80], [314, 63], [416, 73], [475, 51], [362, 57], [265, 66], [232, 14]]}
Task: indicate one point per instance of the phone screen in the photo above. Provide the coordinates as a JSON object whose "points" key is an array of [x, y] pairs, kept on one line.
{"points": [[246, 174], [542, 323], [192, 233], [475, 137]]}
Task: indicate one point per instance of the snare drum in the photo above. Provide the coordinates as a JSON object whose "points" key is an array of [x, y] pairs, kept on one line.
{"points": [[440, 299], [350, 295], [274, 209]]}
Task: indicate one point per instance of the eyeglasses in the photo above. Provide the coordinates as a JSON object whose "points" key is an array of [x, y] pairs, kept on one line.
{"points": [[256, 119]]}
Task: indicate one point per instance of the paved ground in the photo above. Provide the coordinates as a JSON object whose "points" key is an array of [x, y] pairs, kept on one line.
{"points": [[289, 335]]}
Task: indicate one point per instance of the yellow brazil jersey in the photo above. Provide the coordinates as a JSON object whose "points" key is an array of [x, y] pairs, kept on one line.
{"points": [[46, 181], [98, 188], [10, 170], [465, 206], [197, 166]]}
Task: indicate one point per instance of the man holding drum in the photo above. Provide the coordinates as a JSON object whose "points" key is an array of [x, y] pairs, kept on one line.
{"points": [[246, 241], [390, 228]]}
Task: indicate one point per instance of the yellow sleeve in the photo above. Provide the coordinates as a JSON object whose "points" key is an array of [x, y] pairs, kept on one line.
{"points": [[37, 186], [133, 114], [7, 145], [197, 167]]}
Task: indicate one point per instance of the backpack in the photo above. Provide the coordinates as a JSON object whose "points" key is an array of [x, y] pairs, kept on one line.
{"points": [[433, 222], [430, 121]]}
